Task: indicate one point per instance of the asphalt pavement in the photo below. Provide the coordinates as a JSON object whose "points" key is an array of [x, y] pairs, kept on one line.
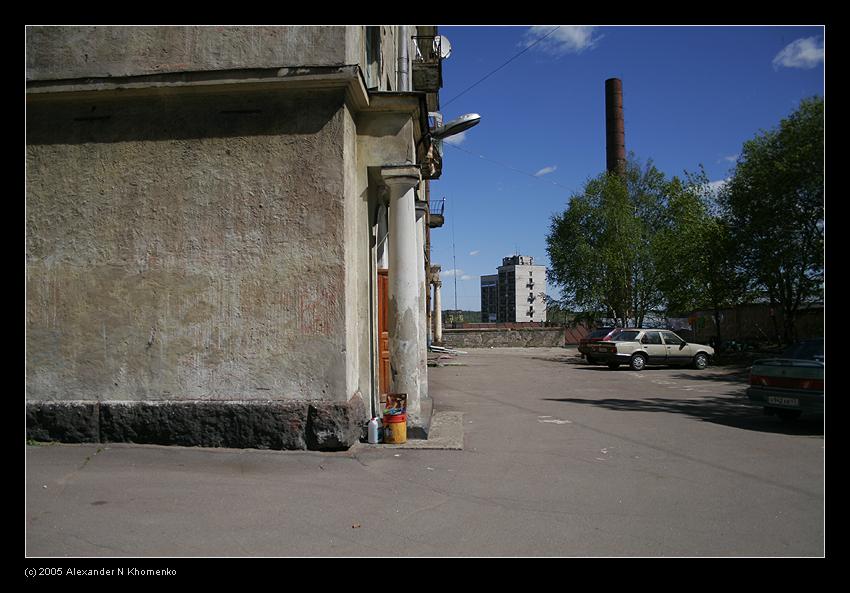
{"points": [[552, 457]]}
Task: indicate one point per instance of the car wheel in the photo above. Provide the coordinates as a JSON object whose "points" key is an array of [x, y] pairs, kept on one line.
{"points": [[700, 361], [638, 362], [590, 360]]}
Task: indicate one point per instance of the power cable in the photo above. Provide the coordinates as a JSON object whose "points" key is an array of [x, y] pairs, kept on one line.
{"points": [[481, 156], [500, 67]]}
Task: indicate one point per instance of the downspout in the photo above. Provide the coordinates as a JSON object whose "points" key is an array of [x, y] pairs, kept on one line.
{"points": [[379, 260], [403, 68]]}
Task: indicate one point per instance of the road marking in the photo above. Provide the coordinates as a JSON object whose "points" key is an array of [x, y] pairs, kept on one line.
{"points": [[550, 420]]}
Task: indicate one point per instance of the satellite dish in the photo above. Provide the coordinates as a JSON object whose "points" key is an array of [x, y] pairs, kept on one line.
{"points": [[444, 45], [456, 126]]}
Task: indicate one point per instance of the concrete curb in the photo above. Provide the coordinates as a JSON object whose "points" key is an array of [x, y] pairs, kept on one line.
{"points": [[446, 433]]}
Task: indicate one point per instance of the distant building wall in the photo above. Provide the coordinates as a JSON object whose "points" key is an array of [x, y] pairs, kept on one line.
{"points": [[489, 298], [755, 322], [521, 290]]}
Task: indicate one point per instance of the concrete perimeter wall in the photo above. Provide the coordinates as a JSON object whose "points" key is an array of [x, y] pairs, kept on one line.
{"points": [[541, 337]]}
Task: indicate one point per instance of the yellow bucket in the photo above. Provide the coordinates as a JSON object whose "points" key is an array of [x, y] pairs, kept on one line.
{"points": [[395, 428]]}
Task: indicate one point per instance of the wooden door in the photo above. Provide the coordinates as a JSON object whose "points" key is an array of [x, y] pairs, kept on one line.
{"points": [[383, 333]]}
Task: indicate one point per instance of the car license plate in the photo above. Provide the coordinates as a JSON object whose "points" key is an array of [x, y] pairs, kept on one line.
{"points": [[783, 401]]}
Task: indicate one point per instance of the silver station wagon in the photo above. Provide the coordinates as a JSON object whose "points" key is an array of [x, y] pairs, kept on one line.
{"points": [[640, 347]]}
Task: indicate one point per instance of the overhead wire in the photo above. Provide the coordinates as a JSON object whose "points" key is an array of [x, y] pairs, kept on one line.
{"points": [[469, 88], [481, 156], [500, 67], [466, 90]]}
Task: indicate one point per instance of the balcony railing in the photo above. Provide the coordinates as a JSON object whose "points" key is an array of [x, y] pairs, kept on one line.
{"points": [[435, 213], [428, 49], [427, 63]]}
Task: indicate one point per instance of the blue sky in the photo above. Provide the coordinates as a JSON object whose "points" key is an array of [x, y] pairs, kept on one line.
{"points": [[691, 96]]}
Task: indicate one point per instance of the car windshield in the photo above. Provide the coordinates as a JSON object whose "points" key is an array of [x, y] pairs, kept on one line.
{"points": [[807, 350], [626, 336]]}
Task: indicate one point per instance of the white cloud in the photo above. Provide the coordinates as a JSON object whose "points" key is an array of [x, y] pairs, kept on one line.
{"points": [[466, 277], [731, 158], [451, 273], [807, 52], [456, 139], [474, 253], [716, 186], [546, 171], [566, 39]]}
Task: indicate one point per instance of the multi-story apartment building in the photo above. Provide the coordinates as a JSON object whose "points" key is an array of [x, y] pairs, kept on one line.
{"points": [[489, 298], [216, 221], [516, 293]]}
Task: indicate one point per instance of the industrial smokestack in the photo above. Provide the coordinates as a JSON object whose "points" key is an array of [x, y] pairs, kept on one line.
{"points": [[615, 134]]}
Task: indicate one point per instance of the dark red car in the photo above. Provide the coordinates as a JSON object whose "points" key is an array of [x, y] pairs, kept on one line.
{"points": [[603, 334]]}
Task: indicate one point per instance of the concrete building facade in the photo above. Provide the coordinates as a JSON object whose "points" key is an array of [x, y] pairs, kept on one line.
{"points": [[490, 298], [516, 293], [208, 211]]}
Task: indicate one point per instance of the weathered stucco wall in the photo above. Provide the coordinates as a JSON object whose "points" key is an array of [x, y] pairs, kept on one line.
{"points": [[198, 244], [187, 247], [357, 259], [82, 52]]}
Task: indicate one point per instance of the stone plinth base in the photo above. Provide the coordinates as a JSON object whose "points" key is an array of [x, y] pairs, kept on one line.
{"points": [[318, 426]]}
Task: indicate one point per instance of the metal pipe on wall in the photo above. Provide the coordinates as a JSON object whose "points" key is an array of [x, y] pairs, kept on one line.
{"points": [[403, 67]]}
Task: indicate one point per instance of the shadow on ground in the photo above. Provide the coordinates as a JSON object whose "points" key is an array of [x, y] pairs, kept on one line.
{"points": [[729, 410]]}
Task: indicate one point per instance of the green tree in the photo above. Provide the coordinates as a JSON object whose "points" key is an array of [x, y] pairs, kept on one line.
{"points": [[601, 247], [695, 252], [774, 203]]}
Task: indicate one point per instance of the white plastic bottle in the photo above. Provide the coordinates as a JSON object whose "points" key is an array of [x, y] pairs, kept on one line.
{"points": [[374, 425]]}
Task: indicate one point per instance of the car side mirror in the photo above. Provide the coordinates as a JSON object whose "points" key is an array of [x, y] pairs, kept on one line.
{"points": [[682, 346]]}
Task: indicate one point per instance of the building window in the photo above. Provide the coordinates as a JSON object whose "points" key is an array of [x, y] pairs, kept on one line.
{"points": [[373, 57]]}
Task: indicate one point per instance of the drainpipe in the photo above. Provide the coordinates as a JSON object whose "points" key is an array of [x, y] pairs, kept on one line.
{"points": [[403, 68]]}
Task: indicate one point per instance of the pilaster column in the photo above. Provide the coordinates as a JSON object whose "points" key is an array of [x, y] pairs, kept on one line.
{"points": [[401, 180], [438, 313], [421, 221]]}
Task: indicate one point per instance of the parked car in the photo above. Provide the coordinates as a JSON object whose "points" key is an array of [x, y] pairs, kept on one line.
{"points": [[792, 384], [598, 335], [640, 347]]}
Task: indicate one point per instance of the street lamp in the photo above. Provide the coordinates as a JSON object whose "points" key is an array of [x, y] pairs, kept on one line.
{"points": [[456, 126]]}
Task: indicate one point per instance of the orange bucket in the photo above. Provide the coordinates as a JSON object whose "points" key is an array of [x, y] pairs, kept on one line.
{"points": [[395, 428]]}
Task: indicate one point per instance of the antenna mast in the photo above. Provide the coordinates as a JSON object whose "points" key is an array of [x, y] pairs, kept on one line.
{"points": [[454, 261]]}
